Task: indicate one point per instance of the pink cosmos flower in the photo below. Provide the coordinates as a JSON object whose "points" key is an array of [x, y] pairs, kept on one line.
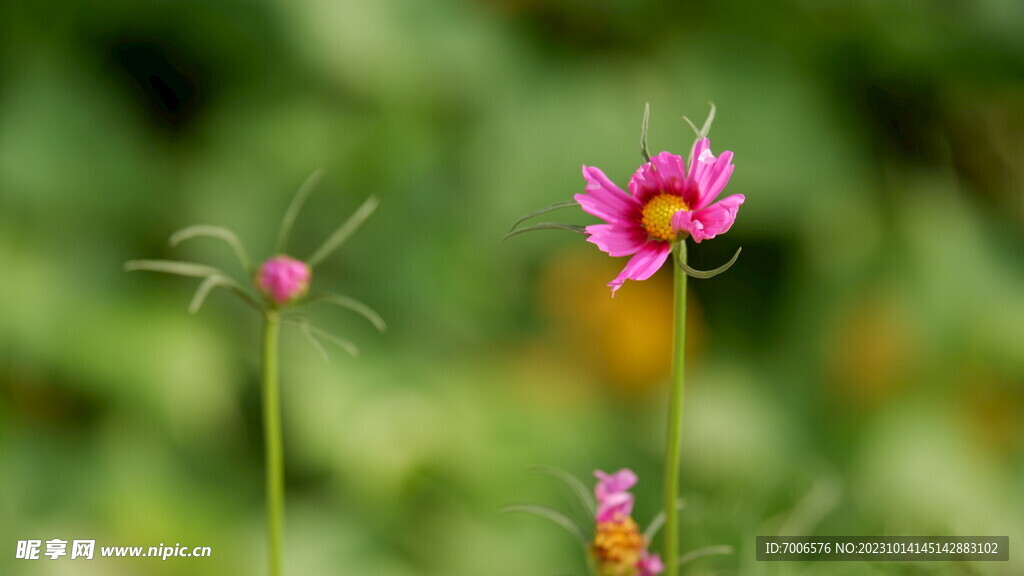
{"points": [[613, 499], [666, 202], [283, 279]]}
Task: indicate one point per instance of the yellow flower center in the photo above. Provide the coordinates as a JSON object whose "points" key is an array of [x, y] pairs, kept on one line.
{"points": [[657, 215], [617, 547]]}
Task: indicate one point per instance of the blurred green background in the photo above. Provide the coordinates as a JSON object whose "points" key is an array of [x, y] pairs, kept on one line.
{"points": [[860, 371]]}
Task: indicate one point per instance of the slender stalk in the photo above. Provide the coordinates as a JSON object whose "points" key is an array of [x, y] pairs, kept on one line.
{"points": [[675, 415], [272, 441]]}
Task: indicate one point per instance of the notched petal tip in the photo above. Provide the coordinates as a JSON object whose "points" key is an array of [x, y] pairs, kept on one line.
{"points": [[642, 265]]}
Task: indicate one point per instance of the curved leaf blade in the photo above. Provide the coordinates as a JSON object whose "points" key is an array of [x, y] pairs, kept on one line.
{"points": [[544, 210], [217, 232], [356, 306], [293, 209], [335, 240], [547, 226], [575, 484], [173, 267], [212, 276], [308, 333], [215, 281], [705, 274], [553, 515], [202, 292], [702, 552], [706, 128], [658, 521], [342, 343], [643, 133]]}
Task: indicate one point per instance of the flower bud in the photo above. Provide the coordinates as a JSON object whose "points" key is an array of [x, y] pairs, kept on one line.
{"points": [[283, 279]]}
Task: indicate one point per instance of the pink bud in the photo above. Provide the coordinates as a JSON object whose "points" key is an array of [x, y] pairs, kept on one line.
{"points": [[283, 279]]}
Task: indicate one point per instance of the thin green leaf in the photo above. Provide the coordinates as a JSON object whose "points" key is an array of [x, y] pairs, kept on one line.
{"points": [[706, 128], [214, 281], [556, 206], [553, 515], [345, 345], [819, 502], [204, 230], [702, 552], [692, 125], [547, 226], [643, 133], [196, 271], [658, 521], [574, 484], [705, 274], [344, 231], [308, 333], [203, 291], [293, 209], [355, 306], [302, 323], [314, 334], [173, 267]]}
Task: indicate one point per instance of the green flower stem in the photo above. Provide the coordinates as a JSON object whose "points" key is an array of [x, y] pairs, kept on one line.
{"points": [[272, 440], [675, 416]]}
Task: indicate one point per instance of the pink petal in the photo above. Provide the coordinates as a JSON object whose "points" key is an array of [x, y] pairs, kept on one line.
{"points": [[711, 221], [713, 180], [611, 491], [672, 171], [650, 564], [616, 239], [643, 264], [681, 221], [665, 173], [622, 480], [670, 167], [619, 504], [645, 183], [606, 200], [697, 168]]}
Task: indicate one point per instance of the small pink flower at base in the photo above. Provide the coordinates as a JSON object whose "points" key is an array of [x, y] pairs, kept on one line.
{"points": [[666, 202], [283, 279], [613, 499], [619, 549], [650, 565]]}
